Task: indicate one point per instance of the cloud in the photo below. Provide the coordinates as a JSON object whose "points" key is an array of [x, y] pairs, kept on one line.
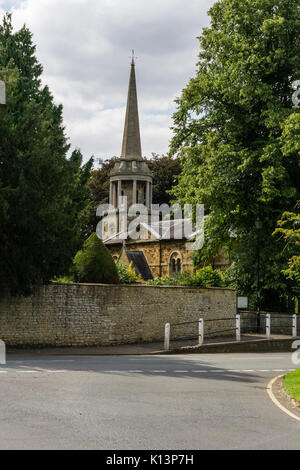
{"points": [[84, 46]]}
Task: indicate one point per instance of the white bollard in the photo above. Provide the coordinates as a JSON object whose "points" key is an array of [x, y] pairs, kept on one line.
{"points": [[238, 327], [2, 353], [294, 333], [201, 332], [167, 336], [268, 326]]}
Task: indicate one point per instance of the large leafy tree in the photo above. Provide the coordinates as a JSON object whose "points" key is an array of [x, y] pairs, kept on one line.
{"points": [[165, 172], [289, 229], [238, 135], [39, 186]]}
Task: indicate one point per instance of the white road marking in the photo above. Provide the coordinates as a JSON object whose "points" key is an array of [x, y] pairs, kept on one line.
{"points": [[255, 358], [42, 360], [28, 371], [139, 371]]}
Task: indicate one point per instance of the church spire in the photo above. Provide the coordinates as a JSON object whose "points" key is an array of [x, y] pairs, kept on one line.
{"points": [[131, 148]]}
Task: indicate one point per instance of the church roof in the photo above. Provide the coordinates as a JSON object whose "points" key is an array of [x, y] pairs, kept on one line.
{"points": [[140, 264], [178, 229]]}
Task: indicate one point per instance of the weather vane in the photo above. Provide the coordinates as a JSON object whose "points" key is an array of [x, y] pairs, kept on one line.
{"points": [[133, 57]]}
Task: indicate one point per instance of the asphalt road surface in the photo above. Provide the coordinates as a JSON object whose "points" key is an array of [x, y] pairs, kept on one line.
{"points": [[212, 401]]}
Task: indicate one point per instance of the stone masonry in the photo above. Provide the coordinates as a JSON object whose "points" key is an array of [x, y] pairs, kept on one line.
{"points": [[95, 314]]}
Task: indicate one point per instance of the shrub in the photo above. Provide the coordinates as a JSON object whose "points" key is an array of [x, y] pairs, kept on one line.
{"points": [[167, 281], [94, 263], [63, 280], [207, 277], [127, 274], [204, 277]]}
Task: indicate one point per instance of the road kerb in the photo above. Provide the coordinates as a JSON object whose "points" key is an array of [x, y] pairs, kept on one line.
{"points": [[276, 402]]}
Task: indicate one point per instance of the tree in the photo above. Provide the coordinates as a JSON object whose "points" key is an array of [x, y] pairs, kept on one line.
{"points": [[94, 263], [81, 201], [98, 193], [289, 229], [39, 186], [165, 172], [238, 135]]}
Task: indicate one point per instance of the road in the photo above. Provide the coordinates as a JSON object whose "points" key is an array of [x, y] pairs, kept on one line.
{"points": [[216, 401]]}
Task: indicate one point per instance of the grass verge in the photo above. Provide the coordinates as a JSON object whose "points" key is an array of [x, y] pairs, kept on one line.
{"points": [[292, 384]]}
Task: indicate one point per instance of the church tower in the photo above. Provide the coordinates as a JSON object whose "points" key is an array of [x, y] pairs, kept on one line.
{"points": [[131, 176]]}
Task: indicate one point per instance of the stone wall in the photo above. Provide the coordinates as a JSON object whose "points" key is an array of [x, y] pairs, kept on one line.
{"points": [[94, 314]]}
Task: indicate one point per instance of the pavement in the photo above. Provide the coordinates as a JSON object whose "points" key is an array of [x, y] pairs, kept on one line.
{"points": [[207, 401], [249, 342]]}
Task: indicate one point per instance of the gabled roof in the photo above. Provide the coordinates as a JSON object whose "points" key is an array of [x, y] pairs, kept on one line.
{"points": [[140, 264], [177, 229]]}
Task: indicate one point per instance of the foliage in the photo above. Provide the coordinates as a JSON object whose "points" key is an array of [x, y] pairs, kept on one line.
{"points": [[289, 229], [39, 188], [127, 274], [238, 136], [63, 280], [81, 174], [165, 172], [292, 384], [98, 192], [94, 263], [164, 281], [204, 277]]}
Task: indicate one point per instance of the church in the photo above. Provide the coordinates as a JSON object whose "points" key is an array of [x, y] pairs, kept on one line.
{"points": [[157, 252]]}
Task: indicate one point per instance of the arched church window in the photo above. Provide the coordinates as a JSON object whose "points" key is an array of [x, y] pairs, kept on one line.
{"points": [[175, 264], [179, 265]]}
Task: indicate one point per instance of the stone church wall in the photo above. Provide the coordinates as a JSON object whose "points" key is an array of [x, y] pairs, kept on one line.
{"points": [[158, 255], [95, 314]]}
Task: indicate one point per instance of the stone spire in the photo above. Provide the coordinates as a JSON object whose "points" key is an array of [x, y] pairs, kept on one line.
{"points": [[131, 148]]}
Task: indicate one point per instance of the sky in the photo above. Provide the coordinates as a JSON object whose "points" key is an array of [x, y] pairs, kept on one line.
{"points": [[85, 48]]}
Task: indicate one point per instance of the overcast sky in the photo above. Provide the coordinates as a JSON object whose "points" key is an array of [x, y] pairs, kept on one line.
{"points": [[84, 47]]}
